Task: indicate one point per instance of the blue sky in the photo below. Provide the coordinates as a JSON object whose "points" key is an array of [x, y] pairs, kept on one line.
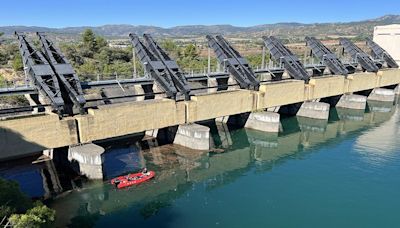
{"points": [[167, 13]]}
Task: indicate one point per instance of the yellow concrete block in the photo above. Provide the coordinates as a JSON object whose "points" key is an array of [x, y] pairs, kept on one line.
{"points": [[389, 77], [218, 104], [285, 92], [361, 81], [128, 118], [326, 86]]}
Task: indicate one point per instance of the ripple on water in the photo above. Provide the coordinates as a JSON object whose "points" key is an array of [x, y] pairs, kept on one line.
{"points": [[380, 145]]}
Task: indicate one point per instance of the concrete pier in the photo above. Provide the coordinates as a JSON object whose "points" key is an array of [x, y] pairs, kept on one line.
{"points": [[381, 94], [86, 160], [350, 114], [397, 90], [315, 110], [352, 101], [263, 121], [312, 125], [33, 100], [193, 136], [378, 106]]}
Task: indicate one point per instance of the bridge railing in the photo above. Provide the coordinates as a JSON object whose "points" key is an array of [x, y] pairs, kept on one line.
{"points": [[105, 77]]}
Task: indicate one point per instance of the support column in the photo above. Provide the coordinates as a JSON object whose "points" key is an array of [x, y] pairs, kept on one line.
{"points": [[397, 90], [350, 114], [381, 94], [352, 101], [315, 110], [193, 136], [86, 159], [263, 121], [33, 100], [211, 82], [379, 106], [312, 125]]}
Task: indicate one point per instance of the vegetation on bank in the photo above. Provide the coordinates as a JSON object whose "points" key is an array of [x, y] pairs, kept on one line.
{"points": [[92, 56], [17, 210]]}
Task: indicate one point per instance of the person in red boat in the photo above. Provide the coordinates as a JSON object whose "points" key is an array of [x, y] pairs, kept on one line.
{"points": [[145, 171]]}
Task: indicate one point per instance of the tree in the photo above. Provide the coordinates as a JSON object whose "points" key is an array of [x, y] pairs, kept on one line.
{"points": [[172, 49], [100, 43], [72, 54], [17, 63], [38, 216], [89, 39], [191, 52], [89, 68], [23, 213], [12, 200]]}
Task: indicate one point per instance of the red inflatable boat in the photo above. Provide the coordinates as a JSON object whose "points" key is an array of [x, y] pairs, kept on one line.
{"points": [[132, 179]]}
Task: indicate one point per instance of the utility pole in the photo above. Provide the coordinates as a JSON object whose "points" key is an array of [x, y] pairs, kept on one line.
{"points": [[263, 58], [209, 62], [134, 62]]}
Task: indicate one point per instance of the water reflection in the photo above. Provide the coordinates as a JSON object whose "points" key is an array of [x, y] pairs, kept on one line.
{"points": [[37, 178], [180, 170], [378, 145], [119, 160]]}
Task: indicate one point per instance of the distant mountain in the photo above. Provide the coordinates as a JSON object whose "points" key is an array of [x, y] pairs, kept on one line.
{"points": [[289, 30]]}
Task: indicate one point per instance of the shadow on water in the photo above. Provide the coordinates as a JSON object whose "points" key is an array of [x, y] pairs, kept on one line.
{"points": [[36, 174], [122, 159]]}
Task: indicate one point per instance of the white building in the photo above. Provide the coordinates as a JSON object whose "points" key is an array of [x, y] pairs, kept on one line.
{"points": [[388, 37]]}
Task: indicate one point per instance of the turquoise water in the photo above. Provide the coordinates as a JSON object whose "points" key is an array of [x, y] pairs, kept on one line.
{"points": [[344, 173]]}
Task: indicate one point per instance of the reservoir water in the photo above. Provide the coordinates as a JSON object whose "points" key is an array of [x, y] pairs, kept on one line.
{"points": [[340, 173]]}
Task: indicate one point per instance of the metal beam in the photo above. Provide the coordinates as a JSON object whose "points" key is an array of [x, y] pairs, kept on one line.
{"points": [[154, 67], [286, 58], [65, 73], [237, 66], [39, 70], [379, 53], [326, 56], [171, 66], [17, 91], [113, 83], [358, 55]]}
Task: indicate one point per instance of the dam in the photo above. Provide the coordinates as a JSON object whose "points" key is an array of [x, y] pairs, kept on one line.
{"points": [[169, 107]]}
